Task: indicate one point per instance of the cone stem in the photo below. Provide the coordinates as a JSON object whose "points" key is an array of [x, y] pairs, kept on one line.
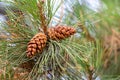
{"points": [[43, 23]]}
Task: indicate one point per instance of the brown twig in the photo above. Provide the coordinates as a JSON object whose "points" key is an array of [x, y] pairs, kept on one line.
{"points": [[90, 72], [42, 16]]}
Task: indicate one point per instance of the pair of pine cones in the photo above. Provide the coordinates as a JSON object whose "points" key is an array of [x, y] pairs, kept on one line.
{"points": [[38, 42]]}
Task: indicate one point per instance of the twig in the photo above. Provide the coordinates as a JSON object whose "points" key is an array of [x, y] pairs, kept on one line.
{"points": [[42, 16], [90, 72]]}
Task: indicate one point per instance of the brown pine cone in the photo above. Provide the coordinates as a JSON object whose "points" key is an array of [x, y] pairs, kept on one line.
{"points": [[36, 44], [28, 65], [60, 32]]}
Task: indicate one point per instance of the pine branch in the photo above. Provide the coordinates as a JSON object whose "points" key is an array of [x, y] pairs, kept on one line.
{"points": [[42, 16]]}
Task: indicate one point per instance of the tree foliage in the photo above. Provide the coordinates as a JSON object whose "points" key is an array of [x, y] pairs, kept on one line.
{"points": [[91, 54]]}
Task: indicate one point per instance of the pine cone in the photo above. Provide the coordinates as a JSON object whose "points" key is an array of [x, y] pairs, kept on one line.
{"points": [[36, 44], [60, 32], [28, 65]]}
